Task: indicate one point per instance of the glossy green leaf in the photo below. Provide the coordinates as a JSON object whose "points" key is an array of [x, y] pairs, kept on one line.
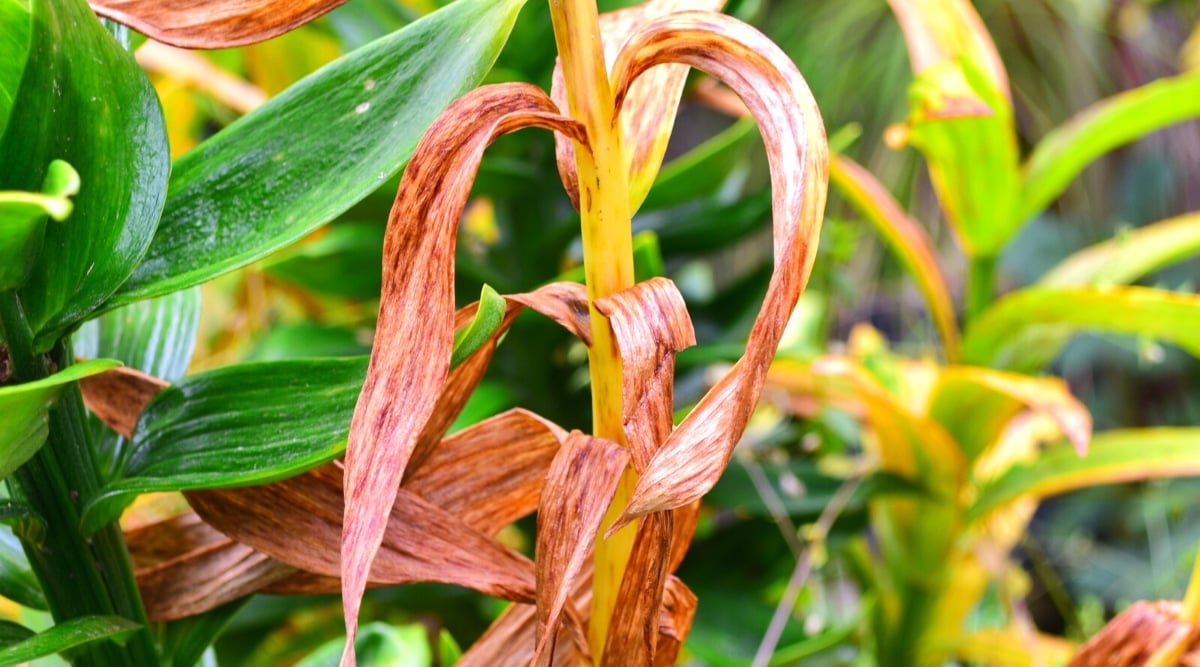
{"points": [[1026, 330], [1062, 154], [68, 635], [308, 154], [17, 581], [26, 409], [1130, 255], [378, 645], [23, 221], [238, 425], [14, 49], [85, 100], [482, 326], [1114, 456]]}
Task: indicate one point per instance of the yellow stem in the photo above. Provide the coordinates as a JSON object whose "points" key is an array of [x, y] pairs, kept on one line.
{"points": [[608, 267]]}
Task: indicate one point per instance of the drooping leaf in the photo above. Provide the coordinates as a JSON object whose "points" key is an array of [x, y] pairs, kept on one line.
{"points": [[68, 635], [84, 100], [26, 409], [1063, 153], [213, 24], [906, 238], [692, 458], [1113, 456], [233, 426], [1128, 256], [1024, 331], [411, 356], [23, 221], [254, 188]]}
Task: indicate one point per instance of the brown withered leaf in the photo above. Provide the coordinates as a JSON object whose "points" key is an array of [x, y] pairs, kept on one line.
{"points": [[678, 608], [212, 24], [119, 396], [648, 119], [509, 642], [651, 323], [579, 488], [298, 521], [633, 633], [411, 356], [1140, 633], [696, 453]]}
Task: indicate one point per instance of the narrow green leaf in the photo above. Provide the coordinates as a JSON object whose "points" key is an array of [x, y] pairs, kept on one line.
{"points": [[14, 50], [1130, 255], [238, 425], [11, 633], [702, 170], [188, 638], [308, 154], [1114, 456], [68, 635], [23, 221], [84, 99], [487, 320], [17, 581], [1107, 124], [1026, 330], [26, 409]]}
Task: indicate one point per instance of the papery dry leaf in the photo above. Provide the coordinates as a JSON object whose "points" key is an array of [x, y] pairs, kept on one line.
{"points": [[651, 323], [694, 456], [1135, 635], [119, 396], [411, 356], [509, 642], [678, 608], [565, 303], [633, 631], [212, 24], [579, 488], [646, 125], [298, 521]]}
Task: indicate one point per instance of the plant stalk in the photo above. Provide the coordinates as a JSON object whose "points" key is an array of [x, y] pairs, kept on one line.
{"points": [[79, 576], [608, 266]]}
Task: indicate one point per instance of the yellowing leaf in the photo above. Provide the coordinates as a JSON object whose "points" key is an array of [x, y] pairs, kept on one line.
{"points": [[939, 30]]}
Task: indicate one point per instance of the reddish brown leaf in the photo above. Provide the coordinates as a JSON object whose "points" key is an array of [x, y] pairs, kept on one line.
{"points": [[678, 608], [683, 524], [565, 303], [212, 24], [633, 633], [411, 356], [509, 642], [579, 488], [651, 324], [696, 453], [118, 396]]}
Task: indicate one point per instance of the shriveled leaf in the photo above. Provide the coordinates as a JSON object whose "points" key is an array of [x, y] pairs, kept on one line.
{"points": [[23, 221], [1063, 153], [509, 642], [939, 30], [411, 356], [255, 187], [233, 426], [212, 24], [84, 100], [633, 633], [1128, 256], [68, 635], [1113, 456], [692, 458], [579, 488], [647, 121], [26, 410], [906, 238], [1026, 330], [679, 607]]}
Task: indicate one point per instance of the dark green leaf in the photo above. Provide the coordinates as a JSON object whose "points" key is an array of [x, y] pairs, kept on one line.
{"points": [[307, 155], [187, 639], [85, 100], [68, 635], [11, 633]]}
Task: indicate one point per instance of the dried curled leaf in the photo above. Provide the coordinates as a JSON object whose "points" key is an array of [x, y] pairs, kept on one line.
{"points": [[633, 634], [692, 458], [119, 396], [212, 24], [402, 384]]}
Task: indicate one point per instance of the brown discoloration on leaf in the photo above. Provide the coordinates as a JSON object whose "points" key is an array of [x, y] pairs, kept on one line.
{"points": [[692, 459], [565, 303], [212, 24], [119, 396], [650, 323], [646, 124], [509, 642], [1137, 634], [402, 384], [579, 488], [678, 608], [633, 633], [683, 528]]}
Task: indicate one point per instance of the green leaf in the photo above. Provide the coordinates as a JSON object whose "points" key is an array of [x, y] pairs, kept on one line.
{"points": [[702, 170], [68, 635], [308, 154], [26, 410], [187, 639], [17, 581], [1026, 330], [1130, 255], [1063, 153], [23, 221], [378, 645], [487, 320], [84, 99], [14, 50], [238, 425], [1114, 456], [11, 633], [346, 260]]}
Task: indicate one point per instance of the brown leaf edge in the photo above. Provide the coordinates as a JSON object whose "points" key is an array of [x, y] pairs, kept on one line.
{"points": [[212, 24]]}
